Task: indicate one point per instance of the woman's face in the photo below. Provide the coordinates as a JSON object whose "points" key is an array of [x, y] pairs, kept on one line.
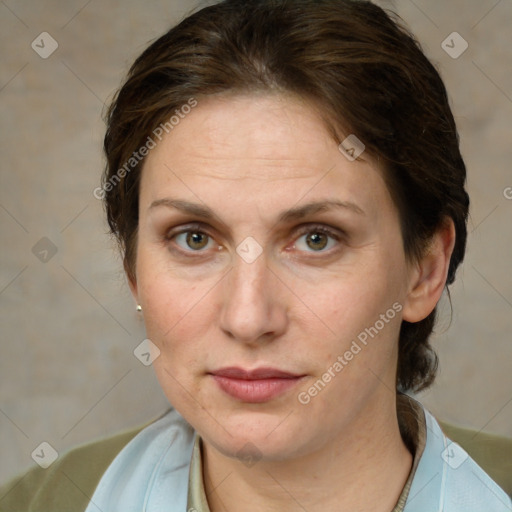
{"points": [[265, 256]]}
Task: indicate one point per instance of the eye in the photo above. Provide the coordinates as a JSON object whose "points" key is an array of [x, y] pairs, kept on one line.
{"points": [[316, 240], [193, 240]]}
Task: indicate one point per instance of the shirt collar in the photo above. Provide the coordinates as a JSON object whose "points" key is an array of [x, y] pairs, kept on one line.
{"points": [[411, 419]]}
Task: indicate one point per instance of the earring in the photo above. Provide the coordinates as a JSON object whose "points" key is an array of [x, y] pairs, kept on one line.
{"points": [[139, 308]]}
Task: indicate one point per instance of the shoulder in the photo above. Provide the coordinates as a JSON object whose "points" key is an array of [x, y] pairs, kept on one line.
{"points": [[492, 453], [449, 479], [467, 486], [68, 484]]}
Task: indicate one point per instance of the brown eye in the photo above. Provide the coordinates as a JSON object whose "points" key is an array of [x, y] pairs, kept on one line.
{"points": [[317, 241], [193, 241], [197, 241]]}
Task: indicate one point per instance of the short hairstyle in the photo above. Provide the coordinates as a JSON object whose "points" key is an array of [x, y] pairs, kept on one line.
{"points": [[354, 62]]}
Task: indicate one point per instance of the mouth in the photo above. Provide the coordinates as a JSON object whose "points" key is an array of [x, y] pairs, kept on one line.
{"points": [[255, 386]]}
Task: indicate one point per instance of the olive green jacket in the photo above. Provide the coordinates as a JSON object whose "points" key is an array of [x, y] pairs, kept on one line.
{"points": [[68, 484]]}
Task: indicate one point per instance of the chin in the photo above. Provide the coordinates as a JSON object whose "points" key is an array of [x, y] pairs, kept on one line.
{"points": [[249, 449], [251, 436]]}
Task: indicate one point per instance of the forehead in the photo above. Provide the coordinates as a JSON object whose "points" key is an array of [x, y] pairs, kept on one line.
{"points": [[230, 129], [247, 144]]}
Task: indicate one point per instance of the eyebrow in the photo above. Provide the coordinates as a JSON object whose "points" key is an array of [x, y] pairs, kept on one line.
{"points": [[289, 215]]}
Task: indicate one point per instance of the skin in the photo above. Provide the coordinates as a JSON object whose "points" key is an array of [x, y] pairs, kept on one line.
{"points": [[297, 307]]}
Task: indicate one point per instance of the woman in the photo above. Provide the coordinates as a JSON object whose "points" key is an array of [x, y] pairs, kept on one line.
{"points": [[285, 182]]}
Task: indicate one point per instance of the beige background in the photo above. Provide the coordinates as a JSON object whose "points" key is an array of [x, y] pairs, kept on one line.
{"points": [[69, 326]]}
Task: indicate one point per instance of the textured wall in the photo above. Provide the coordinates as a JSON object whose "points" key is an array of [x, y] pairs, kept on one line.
{"points": [[69, 327]]}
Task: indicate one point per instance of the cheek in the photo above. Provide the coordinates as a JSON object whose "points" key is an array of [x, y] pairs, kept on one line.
{"points": [[362, 312], [176, 311], [350, 301], [177, 316], [358, 354]]}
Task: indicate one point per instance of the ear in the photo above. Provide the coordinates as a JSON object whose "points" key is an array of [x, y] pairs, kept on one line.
{"points": [[428, 276]]}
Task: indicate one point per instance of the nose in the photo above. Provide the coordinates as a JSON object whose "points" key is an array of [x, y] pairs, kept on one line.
{"points": [[253, 309]]}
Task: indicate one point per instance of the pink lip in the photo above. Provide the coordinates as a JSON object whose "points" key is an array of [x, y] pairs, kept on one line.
{"points": [[254, 386]]}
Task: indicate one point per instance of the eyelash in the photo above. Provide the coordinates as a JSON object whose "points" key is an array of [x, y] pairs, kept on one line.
{"points": [[198, 228]]}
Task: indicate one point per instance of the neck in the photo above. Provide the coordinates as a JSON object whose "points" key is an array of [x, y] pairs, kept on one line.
{"points": [[363, 468]]}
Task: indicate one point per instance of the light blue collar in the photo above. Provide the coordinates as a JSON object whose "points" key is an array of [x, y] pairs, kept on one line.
{"points": [[447, 479], [151, 474]]}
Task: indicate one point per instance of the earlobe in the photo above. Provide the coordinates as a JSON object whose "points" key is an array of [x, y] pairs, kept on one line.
{"points": [[132, 282], [428, 277]]}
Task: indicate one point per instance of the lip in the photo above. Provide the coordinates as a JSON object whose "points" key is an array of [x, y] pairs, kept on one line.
{"points": [[254, 386]]}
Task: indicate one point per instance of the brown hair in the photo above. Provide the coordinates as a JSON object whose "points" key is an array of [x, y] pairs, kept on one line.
{"points": [[357, 63]]}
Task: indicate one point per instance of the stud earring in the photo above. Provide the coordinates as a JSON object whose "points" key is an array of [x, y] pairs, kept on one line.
{"points": [[139, 308]]}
